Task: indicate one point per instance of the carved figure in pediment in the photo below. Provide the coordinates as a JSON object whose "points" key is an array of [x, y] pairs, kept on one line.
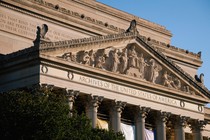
{"points": [[177, 83], [166, 80], [92, 58], [86, 58], [142, 65], [69, 56], [100, 60], [186, 89], [132, 57], [73, 57], [115, 60], [170, 81], [123, 62], [153, 70]]}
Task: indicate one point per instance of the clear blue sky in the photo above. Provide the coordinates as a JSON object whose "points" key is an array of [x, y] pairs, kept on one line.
{"points": [[188, 21]]}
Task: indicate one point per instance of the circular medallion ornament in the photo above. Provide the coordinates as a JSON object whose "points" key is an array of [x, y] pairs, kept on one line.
{"points": [[44, 69], [182, 104], [70, 75], [200, 108]]}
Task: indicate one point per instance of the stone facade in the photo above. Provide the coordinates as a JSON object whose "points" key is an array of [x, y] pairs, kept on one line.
{"points": [[116, 66]]}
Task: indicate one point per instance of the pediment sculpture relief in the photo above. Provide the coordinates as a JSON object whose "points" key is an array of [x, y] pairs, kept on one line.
{"points": [[128, 61]]}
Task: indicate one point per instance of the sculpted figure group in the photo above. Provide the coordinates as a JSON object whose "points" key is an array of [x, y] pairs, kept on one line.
{"points": [[129, 62]]}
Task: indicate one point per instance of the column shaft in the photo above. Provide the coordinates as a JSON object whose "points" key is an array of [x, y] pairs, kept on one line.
{"points": [[179, 127], [92, 108], [161, 125], [115, 115], [140, 122]]}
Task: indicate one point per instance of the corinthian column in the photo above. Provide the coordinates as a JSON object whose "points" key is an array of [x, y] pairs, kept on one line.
{"points": [[92, 108], [161, 125], [197, 128], [115, 115], [140, 122], [179, 127], [71, 96]]}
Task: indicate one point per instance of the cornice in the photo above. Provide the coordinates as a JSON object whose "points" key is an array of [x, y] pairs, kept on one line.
{"points": [[84, 41]]}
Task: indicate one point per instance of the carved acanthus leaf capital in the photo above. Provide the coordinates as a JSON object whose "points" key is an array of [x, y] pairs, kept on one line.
{"points": [[197, 125], [95, 100], [181, 121], [72, 95], [164, 116], [119, 106], [142, 111]]}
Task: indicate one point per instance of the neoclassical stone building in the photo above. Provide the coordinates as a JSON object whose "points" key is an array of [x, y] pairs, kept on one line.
{"points": [[117, 68]]}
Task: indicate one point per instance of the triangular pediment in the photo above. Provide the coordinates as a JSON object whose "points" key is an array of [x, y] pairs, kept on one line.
{"points": [[129, 55]]}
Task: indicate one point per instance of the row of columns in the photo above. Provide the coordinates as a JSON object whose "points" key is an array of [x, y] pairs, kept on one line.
{"points": [[141, 114]]}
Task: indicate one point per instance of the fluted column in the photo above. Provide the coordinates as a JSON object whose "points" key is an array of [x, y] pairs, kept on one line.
{"points": [[197, 128], [71, 96], [115, 115], [92, 108], [161, 125], [180, 123], [140, 122]]}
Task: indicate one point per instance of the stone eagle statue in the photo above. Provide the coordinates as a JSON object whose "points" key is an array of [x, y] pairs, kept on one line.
{"points": [[200, 79], [132, 28]]}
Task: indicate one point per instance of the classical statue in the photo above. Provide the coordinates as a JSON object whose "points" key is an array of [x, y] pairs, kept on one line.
{"points": [[142, 65], [69, 56], [166, 79], [123, 62], [132, 57], [151, 70], [92, 58], [86, 58], [100, 60], [177, 83], [115, 60], [186, 89], [132, 28]]}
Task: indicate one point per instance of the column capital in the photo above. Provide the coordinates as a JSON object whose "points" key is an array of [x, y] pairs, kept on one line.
{"points": [[72, 95], [119, 106], [181, 121], [95, 100], [47, 87], [164, 115], [197, 125], [92, 107], [142, 111]]}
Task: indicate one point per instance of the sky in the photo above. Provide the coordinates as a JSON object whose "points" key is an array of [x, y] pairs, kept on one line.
{"points": [[188, 21]]}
